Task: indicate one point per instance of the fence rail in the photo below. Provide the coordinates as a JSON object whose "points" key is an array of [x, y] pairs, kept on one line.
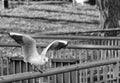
{"points": [[74, 37], [69, 46]]}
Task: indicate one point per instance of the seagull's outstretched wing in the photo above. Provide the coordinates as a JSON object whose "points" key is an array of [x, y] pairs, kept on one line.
{"points": [[28, 44], [55, 45]]}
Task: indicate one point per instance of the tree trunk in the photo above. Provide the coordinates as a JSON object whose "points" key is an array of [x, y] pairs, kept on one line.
{"points": [[109, 13]]}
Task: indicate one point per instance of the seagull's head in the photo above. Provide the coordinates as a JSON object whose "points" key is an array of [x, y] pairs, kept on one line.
{"points": [[44, 60]]}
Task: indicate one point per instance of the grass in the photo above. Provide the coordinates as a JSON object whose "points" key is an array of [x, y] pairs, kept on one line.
{"points": [[44, 17]]}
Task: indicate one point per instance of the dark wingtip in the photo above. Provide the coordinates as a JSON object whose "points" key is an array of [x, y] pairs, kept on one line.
{"points": [[9, 33], [68, 42], [62, 45], [17, 38]]}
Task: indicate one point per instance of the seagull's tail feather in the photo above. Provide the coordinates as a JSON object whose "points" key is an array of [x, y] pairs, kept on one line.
{"points": [[17, 37]]}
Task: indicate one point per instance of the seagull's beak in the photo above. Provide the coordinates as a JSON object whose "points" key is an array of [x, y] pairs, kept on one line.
{"points": [[68, 42]]}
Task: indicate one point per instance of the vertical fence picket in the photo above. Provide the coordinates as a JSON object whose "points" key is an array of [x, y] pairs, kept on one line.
{"points": [[55, 76], [7, 60], [116, 66], [20, 64], [105, 72], [69, 75], [80, 71], [2, 66], [33, 80], [98, 58], [26, 70], [77, 75], [14, 68], [108, 51], [1, 63], [62, 75], [109, 54], [111, 75], [48, 77], [91, 69], [102, 56]]}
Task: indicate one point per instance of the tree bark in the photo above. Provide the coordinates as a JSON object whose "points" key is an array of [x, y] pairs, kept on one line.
{"points": [[109, 13]]}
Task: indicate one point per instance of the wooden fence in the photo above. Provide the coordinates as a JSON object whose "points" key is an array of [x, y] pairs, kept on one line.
{"points": [[92, 60]]}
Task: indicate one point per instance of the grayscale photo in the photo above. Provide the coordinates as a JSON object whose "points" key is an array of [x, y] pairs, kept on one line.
{"points": [[59, 41]]}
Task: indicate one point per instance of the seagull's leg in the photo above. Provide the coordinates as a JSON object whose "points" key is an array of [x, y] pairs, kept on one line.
{"points": [[41, 71], [35, 67]]}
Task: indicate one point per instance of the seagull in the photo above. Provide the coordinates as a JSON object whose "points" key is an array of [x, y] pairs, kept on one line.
{"points": [[29, 48]]}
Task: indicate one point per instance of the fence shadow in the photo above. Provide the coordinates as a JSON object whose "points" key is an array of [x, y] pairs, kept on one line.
{"points": [[57, 11], [50, 20]]}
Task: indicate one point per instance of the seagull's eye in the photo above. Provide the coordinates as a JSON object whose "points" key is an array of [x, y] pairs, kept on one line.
{"points": [[45, 59]]}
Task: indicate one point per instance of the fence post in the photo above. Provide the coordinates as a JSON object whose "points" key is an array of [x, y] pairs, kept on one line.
{"points": [[74, 2], [116, 70], [1, 63], [41, 80], [28, 2], [5, 4]]}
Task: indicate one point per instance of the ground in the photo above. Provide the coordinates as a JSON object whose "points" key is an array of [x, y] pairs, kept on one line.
{"points": [[42, 17]]}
